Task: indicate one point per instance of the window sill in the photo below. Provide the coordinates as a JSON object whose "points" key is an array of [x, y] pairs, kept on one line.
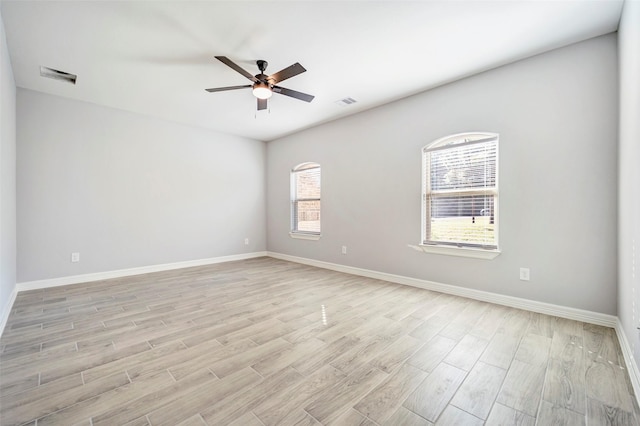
{"points": [[457, 251], [301, 236]]}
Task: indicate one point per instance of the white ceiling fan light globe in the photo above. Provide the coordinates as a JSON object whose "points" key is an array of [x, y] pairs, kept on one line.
{"points": [[262, 91]]}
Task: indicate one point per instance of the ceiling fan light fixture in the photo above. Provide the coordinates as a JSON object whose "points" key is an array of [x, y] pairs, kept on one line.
{"points": [[262, 91]]}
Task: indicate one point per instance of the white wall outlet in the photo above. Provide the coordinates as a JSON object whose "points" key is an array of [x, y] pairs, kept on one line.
{"points": [[246, 241], [344, 249], [525, 274], [75, 257]]}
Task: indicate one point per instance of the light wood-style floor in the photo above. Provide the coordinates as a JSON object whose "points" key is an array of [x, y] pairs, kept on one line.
{"points": [[268, 342]]}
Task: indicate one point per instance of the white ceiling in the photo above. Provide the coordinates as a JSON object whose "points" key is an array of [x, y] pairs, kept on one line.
{"points": [[156, 58]]}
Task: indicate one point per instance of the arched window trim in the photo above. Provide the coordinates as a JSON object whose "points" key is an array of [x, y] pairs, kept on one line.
{"points": [[482, 249]]}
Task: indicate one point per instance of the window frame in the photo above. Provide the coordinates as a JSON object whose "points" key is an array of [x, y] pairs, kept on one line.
{"points": [[294, 201], [449, 247]]}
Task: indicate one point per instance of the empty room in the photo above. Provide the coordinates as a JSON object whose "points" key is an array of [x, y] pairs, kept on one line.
{"points": [[260, 213]]}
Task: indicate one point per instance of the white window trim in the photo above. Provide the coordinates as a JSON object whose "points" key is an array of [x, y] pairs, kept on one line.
{"points": [[304, 236], [452, 250], [475, 253]]}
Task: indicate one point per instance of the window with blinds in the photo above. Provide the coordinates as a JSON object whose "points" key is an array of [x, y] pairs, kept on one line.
{"points": [[460, 191], [305, 199]]}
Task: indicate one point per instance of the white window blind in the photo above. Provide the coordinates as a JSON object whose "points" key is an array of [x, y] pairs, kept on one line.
{"points": [[305, 198], [460, 191]]}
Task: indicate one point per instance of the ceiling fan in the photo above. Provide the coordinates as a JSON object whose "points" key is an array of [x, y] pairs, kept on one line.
{"points": [[265, 85]]}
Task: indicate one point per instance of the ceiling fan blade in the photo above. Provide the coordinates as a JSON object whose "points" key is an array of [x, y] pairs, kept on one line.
{"points": [[293, 93], [290, 71], [222, 89], [262, 104], [228, 62]]}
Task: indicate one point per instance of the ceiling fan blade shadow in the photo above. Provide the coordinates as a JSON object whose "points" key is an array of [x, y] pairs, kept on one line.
{"points": [[222, 89], [290, 71], [228, 62], [262, 104], [293, 93]]}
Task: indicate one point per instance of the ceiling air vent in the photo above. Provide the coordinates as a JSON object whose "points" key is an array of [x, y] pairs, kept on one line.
{"points": [[58, 75], [346, 101]]}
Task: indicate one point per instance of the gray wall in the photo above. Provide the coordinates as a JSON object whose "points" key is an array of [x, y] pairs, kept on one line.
{"points": [[7, 176], [125, 190], [629, 176], [556, 114]]}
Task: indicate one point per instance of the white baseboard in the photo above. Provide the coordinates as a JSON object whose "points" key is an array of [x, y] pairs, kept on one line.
{"points": [[99, 276], [7, 309], [514, 302], [632, 367]]}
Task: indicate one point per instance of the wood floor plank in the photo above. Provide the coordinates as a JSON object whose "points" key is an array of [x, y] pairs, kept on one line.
{"points": [[396, 354], [249, 357], [201, 397], [603, 414], [287, 357], [554, 415], [465, 354], [248, 419], [71, 365], [462, 324], [274, 411], [479, 390], [487, 325], [501, 350], [299, 417], [502, 415], [51, 403], [138, 407], [430, 355], [268, 342], [45, 391], [404, 417], [379, 404], [225, 410], [332, 403], [522, 388], [534, 349], [196, 420], [453, 416], [121, 364], [98, 404], [183, 367], [604, 382], [352, 418], [435, 392], [326, 355], [564, 384]]}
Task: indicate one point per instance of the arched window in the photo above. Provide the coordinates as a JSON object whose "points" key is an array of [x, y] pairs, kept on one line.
{"points": [[305, 199], [460, 191]]}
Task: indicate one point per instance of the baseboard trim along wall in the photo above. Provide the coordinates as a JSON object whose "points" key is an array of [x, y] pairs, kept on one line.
{"points": [[513, 302], [7, 309], [632, 367], [99, 276]]}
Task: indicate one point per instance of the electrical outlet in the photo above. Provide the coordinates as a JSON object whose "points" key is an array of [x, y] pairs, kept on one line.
{"points": [[344, 249], [524, 274], [75, 257], [246, 241]]}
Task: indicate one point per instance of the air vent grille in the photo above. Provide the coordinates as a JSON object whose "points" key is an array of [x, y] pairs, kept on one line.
{"points": [[346, 101], [58, 75]]}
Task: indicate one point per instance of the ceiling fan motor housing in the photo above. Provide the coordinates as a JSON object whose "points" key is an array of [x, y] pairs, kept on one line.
{"points": [[262, 65]]}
